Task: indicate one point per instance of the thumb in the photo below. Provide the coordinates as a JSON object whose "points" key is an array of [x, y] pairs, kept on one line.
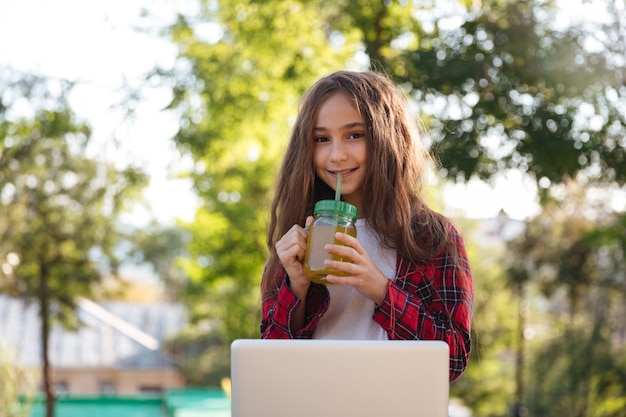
{"points": [[309, 221]]}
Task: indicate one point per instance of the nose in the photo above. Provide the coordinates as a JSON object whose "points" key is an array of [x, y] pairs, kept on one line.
{"points": [[338, 152]]}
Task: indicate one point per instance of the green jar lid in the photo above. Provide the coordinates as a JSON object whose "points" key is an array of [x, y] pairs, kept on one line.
{"points": [[336, 206]]}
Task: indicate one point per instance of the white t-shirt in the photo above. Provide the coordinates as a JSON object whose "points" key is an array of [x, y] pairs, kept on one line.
{"points": [[349, 314]]}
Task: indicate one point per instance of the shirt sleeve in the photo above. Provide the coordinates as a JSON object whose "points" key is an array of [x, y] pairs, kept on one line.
{"points": [[278, 310], [432, 301]]}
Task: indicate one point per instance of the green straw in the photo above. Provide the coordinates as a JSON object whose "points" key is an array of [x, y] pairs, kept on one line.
{"points": [[338, 189]]}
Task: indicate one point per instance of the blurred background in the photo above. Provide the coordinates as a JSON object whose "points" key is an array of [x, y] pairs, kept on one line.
{"points": [[139, 142]]}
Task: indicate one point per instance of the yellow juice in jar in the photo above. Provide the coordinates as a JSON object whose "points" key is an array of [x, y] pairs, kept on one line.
{"points": [[319, 236]]}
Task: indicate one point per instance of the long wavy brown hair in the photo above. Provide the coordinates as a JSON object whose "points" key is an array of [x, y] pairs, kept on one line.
{"points": [[397, 161]]}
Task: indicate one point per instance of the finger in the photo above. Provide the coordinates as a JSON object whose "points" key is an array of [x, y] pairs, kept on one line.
{"points": [[345, 267], [295, 230], [291, 256], [349, 241], [300, 251], [296, 233], [341, 280], [342, 251], [290, 245]]}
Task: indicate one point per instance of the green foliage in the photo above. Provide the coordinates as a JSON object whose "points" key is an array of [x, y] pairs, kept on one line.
{"points": [[488, 383], [58, 207], [237, 98], [18, 385], [576, 374], [503, 89], [162, 248], [576, 263]]}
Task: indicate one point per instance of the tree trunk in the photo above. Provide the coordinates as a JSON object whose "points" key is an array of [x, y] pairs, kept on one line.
{"points": [[519, 408], [44, 309]]}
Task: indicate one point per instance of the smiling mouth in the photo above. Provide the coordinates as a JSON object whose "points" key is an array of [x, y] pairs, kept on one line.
{"points": [[343, 172]]}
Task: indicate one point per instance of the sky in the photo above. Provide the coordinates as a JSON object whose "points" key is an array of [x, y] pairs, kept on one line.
{"points": [[96, 43]]}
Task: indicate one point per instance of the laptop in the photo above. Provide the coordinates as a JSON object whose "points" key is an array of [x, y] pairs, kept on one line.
{"points": [[333, 378]]}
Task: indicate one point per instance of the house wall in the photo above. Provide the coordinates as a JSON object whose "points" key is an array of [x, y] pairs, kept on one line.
{"points": [[98, 381]]}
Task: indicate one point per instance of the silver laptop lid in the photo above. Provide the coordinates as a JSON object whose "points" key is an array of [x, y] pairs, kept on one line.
{"points": [[347, 378]]}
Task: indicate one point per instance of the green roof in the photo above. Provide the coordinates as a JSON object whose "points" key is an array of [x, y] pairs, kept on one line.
{"points": [[197, 403], [173, 403], [101, 407]]}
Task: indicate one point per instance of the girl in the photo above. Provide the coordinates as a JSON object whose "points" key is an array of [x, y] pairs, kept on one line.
{"points": [[409, 277]]}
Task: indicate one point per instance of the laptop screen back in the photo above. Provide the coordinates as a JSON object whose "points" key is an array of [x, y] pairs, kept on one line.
{"points": [[347, 378]]}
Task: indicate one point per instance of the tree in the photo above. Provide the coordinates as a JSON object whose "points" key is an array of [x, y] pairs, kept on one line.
{"points": [[505, 87], [487, 385], [497, 82], [236, 94], [573, 257], [58, 207], [161, 247]]}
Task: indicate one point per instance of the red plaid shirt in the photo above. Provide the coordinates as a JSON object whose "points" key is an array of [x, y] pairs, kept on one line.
{"points": [[426, 301]]}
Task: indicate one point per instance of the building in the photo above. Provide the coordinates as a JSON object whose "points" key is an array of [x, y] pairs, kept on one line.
{"points": [[117, 351]]}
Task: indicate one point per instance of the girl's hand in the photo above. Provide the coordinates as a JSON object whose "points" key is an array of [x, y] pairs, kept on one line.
{"points": [[290, 250], [363, 274]]}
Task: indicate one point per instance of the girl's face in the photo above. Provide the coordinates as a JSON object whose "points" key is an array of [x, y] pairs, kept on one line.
{"points": [[340, 136]]}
